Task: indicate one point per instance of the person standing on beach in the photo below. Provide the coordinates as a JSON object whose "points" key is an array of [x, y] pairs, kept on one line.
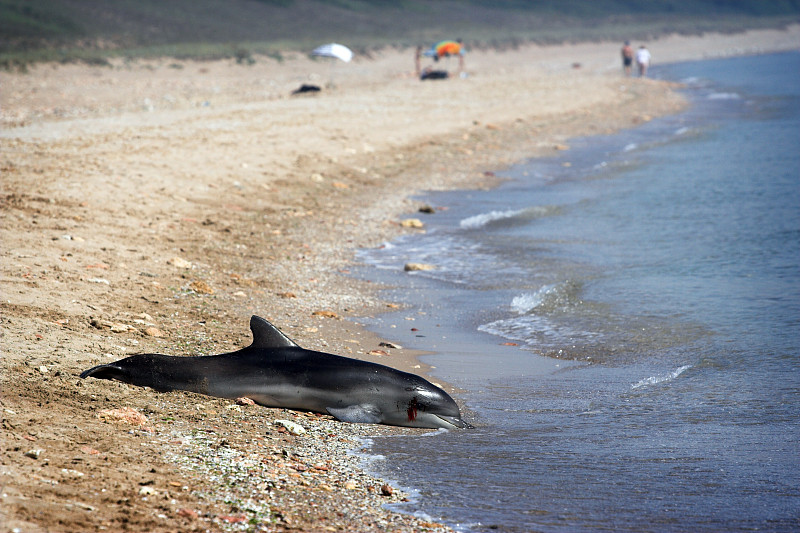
{"points": [[627, 57], [643, 60]]}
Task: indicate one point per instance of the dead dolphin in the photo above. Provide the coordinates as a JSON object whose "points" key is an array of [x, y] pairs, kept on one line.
{"points": [[275, 372]]}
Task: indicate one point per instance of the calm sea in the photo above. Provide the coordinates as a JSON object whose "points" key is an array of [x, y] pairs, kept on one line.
{"points": [[624, 321]]}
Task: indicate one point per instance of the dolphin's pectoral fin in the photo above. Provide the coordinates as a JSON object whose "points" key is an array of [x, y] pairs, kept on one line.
{"points": [[265, 335], [356, 414]]}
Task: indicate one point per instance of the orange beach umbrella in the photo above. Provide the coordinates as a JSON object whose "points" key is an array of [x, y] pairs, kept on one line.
{"points": [[445, 49]]}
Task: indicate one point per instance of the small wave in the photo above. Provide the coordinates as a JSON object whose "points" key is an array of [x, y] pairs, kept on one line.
{"points": [[681, 131], [481, 220], [525, 303], [654, 380], [529, 213], [723, 96], [630, 147]]}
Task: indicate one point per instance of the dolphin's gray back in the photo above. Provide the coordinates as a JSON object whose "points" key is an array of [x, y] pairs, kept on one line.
{"points": [[275, 372]]}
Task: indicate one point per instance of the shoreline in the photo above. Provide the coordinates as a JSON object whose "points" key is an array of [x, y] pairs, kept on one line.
{"points": [[135, 188]]}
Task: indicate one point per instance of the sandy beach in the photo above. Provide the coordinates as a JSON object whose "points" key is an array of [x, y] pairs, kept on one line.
{"points": [[154, 206]]}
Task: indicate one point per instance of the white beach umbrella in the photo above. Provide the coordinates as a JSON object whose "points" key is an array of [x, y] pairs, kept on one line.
{"points": [[338, 51]]}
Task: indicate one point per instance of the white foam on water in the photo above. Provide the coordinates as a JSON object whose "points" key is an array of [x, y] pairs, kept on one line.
{"points": [[630, 147], [655, 380], [528, 213], [481, 220], [525, 303], [723, 96]]}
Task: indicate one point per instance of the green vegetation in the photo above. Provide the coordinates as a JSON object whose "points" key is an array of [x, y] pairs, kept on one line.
{"points": [[96, 30]]}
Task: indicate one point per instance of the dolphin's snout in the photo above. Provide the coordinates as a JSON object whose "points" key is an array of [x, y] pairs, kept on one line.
{"points": [[455, 421], [103, 372]]}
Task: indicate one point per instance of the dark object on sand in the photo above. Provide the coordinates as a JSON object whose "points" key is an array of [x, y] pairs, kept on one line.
{"points": [[305, 88], [434, 75], [275, 372]]}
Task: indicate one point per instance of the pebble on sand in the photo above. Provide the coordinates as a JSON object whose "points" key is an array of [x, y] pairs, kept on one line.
{"points": [[177, 262], [325, 314], [201, 287], [187, 513], [412, 223], [291, 427], [413, 267], [123, 414], [390, 345], [153, 332]]}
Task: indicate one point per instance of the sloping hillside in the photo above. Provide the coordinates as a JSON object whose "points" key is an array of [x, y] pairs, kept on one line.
{"points": [[73, 29]]}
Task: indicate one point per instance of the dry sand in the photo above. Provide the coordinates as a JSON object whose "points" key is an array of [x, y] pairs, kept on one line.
{"points": [[154, 206]]}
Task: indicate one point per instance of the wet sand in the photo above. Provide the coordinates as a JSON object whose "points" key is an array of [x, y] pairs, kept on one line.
{"points": [[154, 206]]}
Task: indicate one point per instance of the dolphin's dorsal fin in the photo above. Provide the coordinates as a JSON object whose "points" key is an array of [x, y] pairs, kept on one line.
{"points": [[265, 335]]}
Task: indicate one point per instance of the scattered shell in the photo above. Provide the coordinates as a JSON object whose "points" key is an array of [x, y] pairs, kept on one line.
{"points": [[99, 280], [325, 314], [287, 295], [245, 401], [291, 427], [412, 267], [350, 485], [123, 414], [378, 352], [387, 490], [187, 513], [147, 491], [115, 327], [34, 454], [201, 287], [177, 262], [233, 519]]}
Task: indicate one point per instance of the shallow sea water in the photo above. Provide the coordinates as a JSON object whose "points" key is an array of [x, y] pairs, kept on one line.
{"points": [[624, 321]]}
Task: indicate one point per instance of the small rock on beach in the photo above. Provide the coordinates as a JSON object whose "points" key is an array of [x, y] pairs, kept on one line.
{"points": [[414, 267]]}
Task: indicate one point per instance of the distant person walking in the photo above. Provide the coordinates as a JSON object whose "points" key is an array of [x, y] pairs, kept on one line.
{"points": [[627, 57], [643, 60]]}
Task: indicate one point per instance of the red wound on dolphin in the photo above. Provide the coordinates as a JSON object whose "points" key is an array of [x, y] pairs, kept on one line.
{"points": [[412, 409]]}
